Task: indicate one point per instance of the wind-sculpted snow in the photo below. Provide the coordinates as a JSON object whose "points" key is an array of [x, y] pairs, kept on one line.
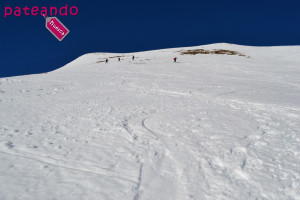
{"points": [[208, 127]]}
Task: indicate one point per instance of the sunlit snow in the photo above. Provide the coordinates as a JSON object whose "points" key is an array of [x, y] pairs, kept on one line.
{"points": [[208, 127]]}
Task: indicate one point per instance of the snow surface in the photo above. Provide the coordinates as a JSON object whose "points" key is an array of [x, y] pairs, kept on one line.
{"points": [[208, 127]]}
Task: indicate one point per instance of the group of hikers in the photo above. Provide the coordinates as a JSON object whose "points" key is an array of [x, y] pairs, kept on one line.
{"points": [[119, 59]]}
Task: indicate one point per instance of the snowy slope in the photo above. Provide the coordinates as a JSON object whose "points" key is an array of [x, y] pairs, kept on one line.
{"points": [[208, 127]]}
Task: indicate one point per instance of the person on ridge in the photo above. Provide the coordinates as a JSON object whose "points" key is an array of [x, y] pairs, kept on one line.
{"points": [[106, 60], [119, 59], [132, 57], [175, 59]]}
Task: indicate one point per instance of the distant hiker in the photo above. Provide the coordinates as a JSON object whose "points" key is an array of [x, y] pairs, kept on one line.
{"points": [[175, 59], [106, 60], [132, 57], [119, 59]]}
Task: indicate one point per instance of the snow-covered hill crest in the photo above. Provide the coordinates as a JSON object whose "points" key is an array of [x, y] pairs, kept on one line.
{"points": [[211, 126]]}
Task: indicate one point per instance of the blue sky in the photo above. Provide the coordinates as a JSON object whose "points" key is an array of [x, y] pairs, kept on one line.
{"points": [[132, 25]]}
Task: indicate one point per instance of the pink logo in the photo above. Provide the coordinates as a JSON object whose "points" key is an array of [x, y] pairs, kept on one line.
{"points": [[56, 28]]}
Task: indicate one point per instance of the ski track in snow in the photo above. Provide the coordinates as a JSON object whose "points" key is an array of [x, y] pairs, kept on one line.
{"points": [[210, 127]]}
